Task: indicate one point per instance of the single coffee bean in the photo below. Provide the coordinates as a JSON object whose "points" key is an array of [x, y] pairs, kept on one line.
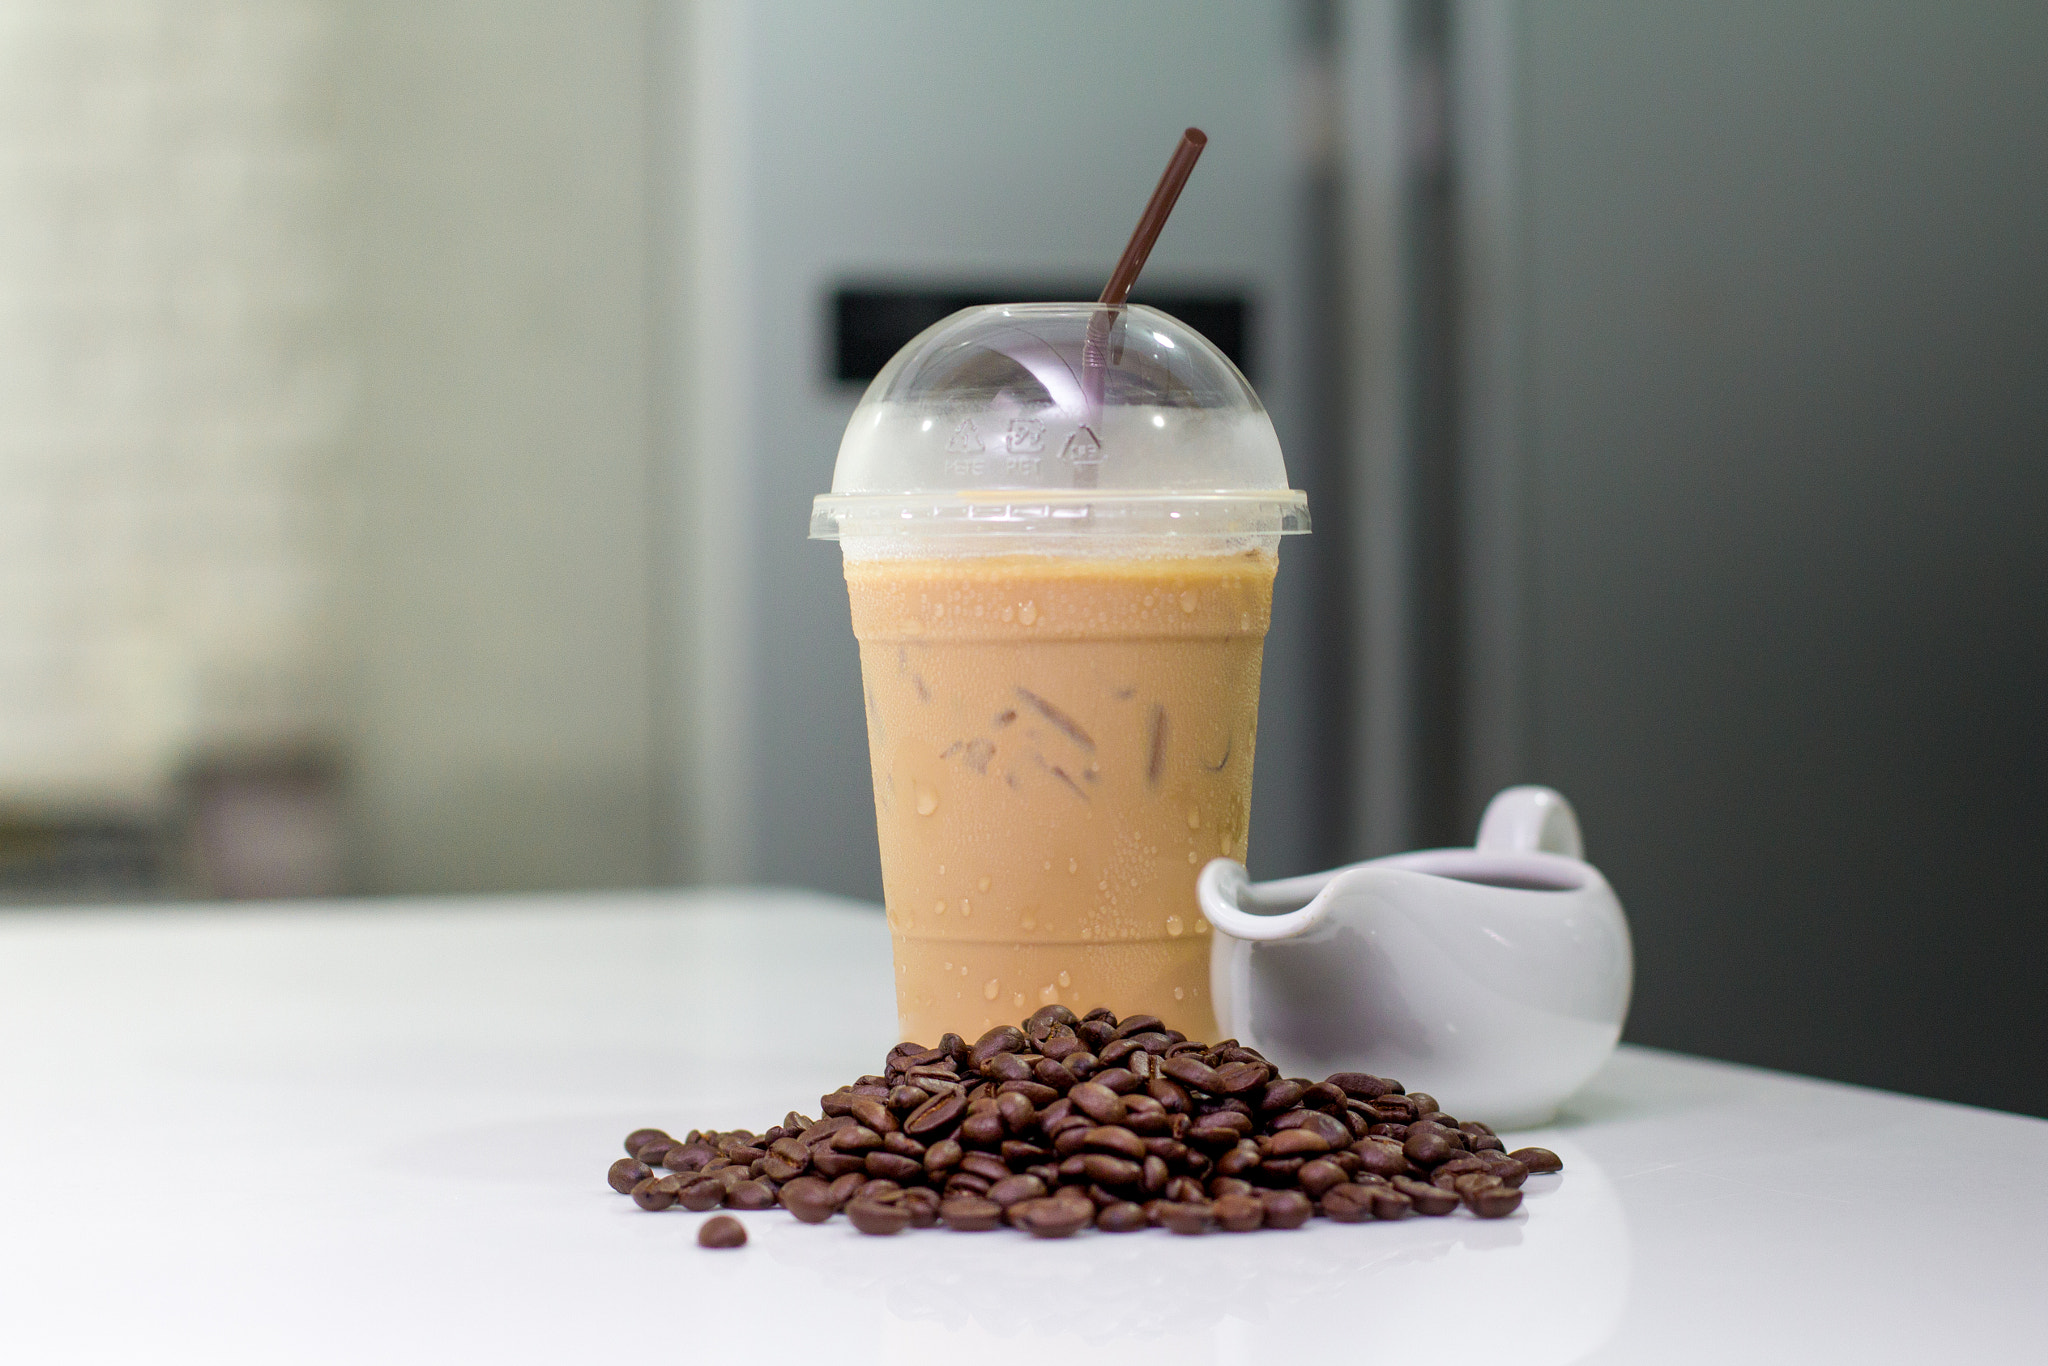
{"points": [[873, 1114], [1221, 1186], [1138, 1024], [1423, 1102], [893, 1166], [1053, 1218], [1318, 1176], [650, 1194], [627, 1173], [983, 1129], [1050, 1073], [701, 1194], [905, 1097], [1426, 1199], [1007, 1067], [844, 1188], [1494, 1202], [722, 1230], [970, 1213], [1001, 1039], [1239, 1213], [1121, 1080], [923, 1203], [1013, 1189], [644, 1138], [1280, 1096], [1390, 1204], [1285, 1209], [1121, 1217], [1362, 1084], [987, 1166], [1538, 1160], [1061, 1043], [1428, 1148], [1018, 1154], [832, 1165], [903, 1145], [1046, 1019], [1153, 1175], [1114, 1140], [1097, 1102], [1185, 1219], [1106, 1170], [1347, 1204], [1171, 1095], [1016, 1112], [1192, 1072], [750, 1195], [778, 1170], [1244, 1078], [858, 1139], [942, 1157], [874, 1217], [879, 1188], [687, 1157], [1300, 1143], [809, 1199], [1382, 1158], [1185, 1190], [824, 1129], [1511, 1173]]}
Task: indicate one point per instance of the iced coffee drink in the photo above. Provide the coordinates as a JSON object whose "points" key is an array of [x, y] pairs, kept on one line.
{"points": [[1061, 676]]}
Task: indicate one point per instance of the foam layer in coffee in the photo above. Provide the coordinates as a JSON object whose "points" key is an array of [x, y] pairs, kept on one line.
{"points": [[1058, 745]]}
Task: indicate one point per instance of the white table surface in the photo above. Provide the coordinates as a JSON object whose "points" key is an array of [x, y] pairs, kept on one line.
{"points": [[377, 1132]]}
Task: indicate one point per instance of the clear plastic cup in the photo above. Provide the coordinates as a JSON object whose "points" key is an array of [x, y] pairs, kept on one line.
{"points": [[1060, 526]]}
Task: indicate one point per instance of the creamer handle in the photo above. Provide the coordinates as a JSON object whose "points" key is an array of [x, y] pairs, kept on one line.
{"points": [[1531, 820]]}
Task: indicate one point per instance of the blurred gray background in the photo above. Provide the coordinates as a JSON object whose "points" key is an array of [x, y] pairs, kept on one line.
{"points": [[409, 414]]}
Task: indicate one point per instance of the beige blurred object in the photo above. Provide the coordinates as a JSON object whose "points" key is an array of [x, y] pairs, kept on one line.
{"points": [[266, 825]]}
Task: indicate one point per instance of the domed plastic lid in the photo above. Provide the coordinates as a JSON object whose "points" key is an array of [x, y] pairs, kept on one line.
{"points": [[1067, 420]]}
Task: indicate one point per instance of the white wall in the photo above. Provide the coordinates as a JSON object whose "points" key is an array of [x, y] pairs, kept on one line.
{"points": [[501, 703]]}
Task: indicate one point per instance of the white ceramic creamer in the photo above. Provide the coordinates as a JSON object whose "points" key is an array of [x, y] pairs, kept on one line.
{"points": [[1495, 978]]}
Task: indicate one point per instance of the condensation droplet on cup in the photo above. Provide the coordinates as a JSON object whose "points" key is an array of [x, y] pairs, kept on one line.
{"points": [[1189, 601], [1028, 614], [1073, 865], [1009, 613], [1179, 994], [963, 969], [1201, 924], [965, 909], [1174, 926], [1063, 979], [938, 908], [927, 801], [1191, 856], [1194, 818], [1049, 994], [1028, 921], [981, 885], [1017, 999], [990, 989]]}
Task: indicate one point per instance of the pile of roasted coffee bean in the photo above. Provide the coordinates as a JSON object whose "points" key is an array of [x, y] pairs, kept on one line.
{"points": [[1077, 1122]]}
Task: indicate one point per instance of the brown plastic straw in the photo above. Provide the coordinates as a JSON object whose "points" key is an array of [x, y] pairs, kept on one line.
{"points": [[1153, 219]]}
